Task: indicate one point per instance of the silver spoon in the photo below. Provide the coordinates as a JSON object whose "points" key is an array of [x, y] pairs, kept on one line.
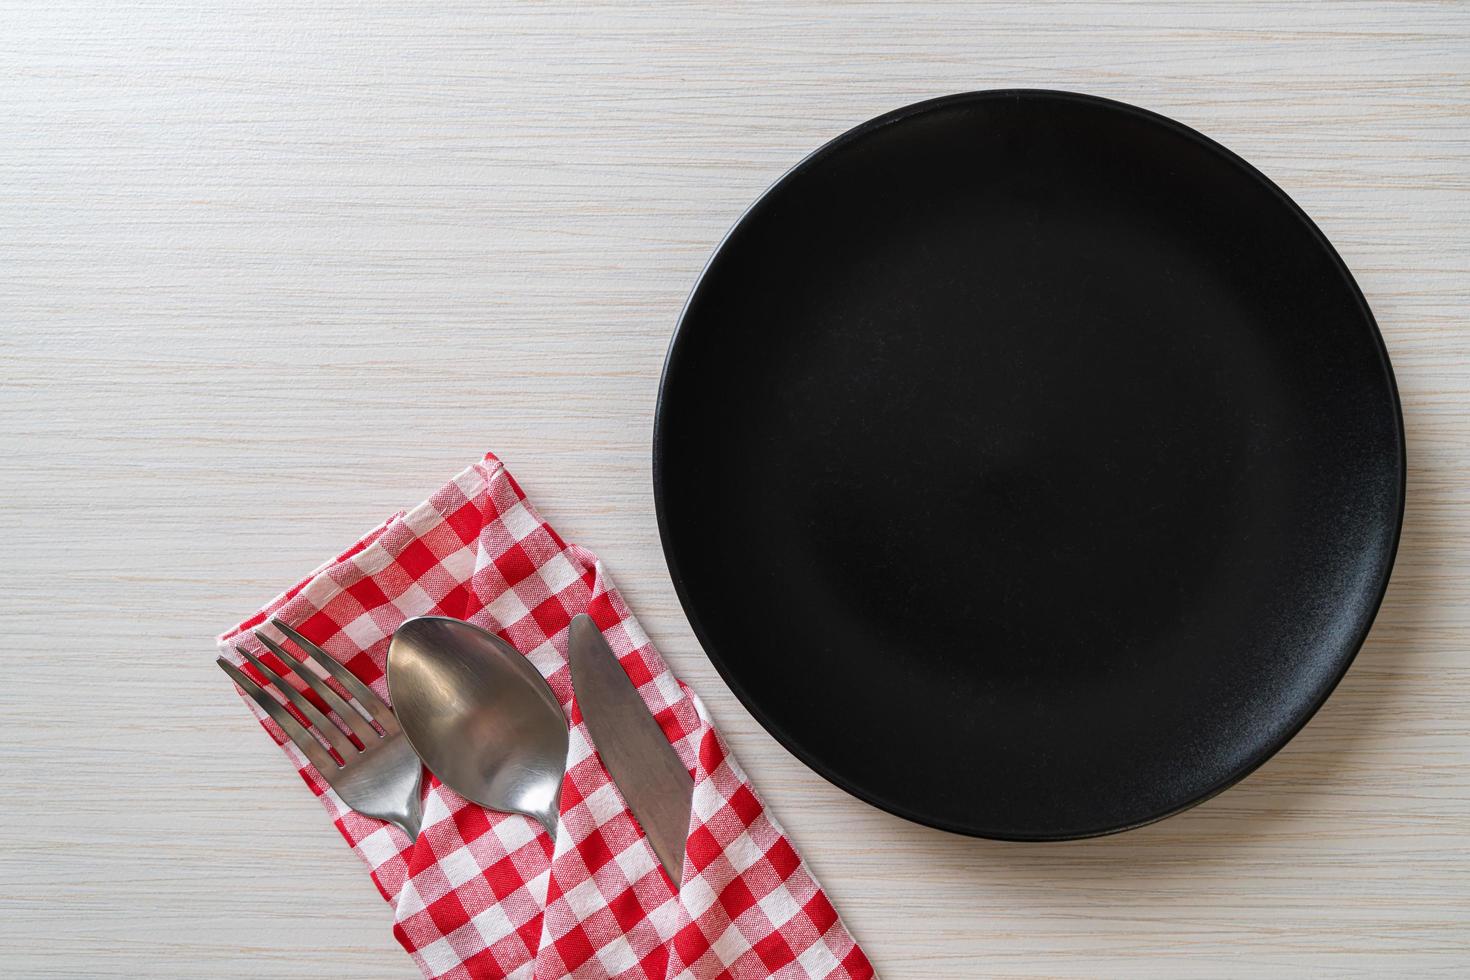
{"points": [[480, 716]]}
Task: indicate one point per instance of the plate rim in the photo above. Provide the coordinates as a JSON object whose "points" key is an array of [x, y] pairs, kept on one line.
{"points": [[1263, 753]]}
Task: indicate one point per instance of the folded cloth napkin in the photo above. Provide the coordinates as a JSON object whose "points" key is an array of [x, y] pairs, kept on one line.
{"points": [[487, 894]]}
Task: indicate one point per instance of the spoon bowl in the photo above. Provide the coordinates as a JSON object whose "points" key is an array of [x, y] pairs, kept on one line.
{"points": [[481, 717]]}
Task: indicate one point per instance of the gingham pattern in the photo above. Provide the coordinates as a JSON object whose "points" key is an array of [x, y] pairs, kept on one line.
{"points": [[485, 894]]}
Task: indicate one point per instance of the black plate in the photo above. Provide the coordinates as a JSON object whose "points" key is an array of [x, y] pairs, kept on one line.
{"points": [[1028, 464]]}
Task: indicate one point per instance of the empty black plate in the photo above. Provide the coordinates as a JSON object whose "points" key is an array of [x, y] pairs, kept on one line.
{"points": [[1028, 464]]}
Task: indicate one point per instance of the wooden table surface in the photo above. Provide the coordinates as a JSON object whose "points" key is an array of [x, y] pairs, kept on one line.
{"points": [[270, 271]]}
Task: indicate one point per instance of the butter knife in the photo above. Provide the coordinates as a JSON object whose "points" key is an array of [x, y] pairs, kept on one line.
{"points": [[647, 770]]}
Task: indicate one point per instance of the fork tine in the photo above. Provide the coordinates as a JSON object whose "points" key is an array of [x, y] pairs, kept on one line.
{"points": [[320, 722], [360, 726], [309, 746], [364, 694]]}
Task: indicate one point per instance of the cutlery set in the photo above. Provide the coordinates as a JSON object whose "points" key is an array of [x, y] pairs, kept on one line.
{"points": [[478, 714]]}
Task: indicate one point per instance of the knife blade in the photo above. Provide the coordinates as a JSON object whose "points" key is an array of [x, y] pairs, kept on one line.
{"points": [[647, 770]]}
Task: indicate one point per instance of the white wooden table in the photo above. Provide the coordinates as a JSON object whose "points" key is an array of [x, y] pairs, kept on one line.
{"points": [[271, 271]]}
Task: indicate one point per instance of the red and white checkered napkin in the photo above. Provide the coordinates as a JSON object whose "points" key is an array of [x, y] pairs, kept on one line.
{"points": [[487, 894]]}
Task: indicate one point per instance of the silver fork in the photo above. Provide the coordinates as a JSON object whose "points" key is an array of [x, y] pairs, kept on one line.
{"points": [[379, 780]]}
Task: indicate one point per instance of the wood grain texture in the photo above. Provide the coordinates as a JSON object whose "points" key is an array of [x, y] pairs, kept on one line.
{"points": [[270, 271]]}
